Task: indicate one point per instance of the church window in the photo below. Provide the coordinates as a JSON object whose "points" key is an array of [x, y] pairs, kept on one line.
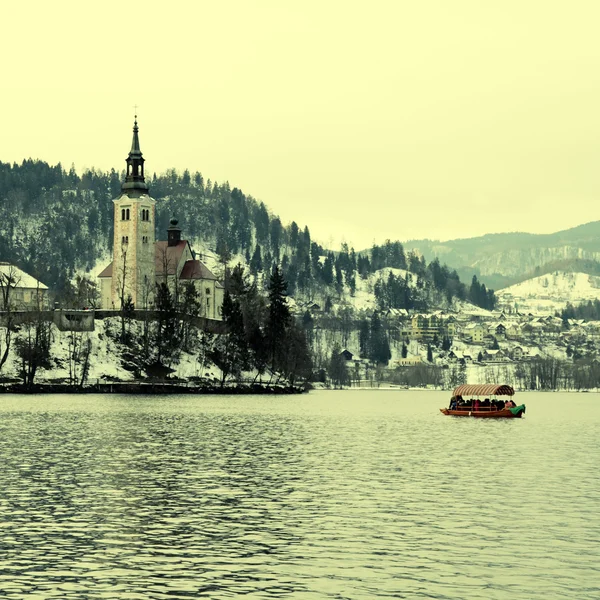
{"points": [[122, 214], [127, 214], [207, 291]]}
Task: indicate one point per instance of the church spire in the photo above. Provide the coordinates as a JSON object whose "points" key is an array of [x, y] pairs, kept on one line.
{"points": [[135, 184]]}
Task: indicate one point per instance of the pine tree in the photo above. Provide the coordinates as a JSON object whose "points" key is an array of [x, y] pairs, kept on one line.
{"points": [[256, 264], [278, 317]]}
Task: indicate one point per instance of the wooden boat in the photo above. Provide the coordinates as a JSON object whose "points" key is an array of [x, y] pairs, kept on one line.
{"points": [[475, 393]]}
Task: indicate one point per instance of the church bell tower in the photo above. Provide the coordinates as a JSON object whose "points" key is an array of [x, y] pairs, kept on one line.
{"points": [[134, 270]]}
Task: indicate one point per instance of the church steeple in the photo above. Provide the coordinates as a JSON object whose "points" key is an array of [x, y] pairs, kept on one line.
{"points": [[134, 184]]}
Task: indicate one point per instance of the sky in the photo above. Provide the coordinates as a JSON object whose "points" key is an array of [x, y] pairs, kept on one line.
{"points": [[365, 121]]}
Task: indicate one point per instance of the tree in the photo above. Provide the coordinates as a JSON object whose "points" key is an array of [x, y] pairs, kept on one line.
{"points": [[429, 353], [446, 343], [230, 352], [337, 371], [166, 338], [278, 317], [9, 279], [297, 361], [33, 346], [256, 263], [404, 351], [379, 346]]}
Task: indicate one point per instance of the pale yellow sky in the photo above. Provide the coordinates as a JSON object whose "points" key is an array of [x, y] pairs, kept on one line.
{"points": [[366, 121]]}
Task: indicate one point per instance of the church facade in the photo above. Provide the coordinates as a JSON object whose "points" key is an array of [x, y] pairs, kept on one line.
{"points": [[140, 262]]}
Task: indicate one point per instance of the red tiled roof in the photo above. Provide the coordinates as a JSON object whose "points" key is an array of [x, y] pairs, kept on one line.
{"points": [[107, 272], [194, 269], [167, 256]]}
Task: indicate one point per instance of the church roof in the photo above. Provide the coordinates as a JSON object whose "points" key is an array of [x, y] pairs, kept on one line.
{"points": [[107, 271], [194, 269], [168, 257]]}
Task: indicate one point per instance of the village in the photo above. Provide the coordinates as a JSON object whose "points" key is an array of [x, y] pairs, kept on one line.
{"points": [[485, 346]]}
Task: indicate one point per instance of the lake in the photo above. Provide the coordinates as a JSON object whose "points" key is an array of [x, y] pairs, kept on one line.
{"points": [[332, 494]]}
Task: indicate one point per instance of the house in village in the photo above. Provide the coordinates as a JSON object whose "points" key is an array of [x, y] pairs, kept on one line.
{"points": [[517, 353], [474, 332], [409, 361], [19, 290], [139, 262], [489, 355], [498, 330], [513, 330]]}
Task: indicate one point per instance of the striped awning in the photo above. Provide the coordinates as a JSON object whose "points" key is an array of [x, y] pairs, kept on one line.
{"points": [[485, 389]]}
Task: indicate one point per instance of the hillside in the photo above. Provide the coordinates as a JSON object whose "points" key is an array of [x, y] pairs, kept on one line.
{"points": [[550, 292]]}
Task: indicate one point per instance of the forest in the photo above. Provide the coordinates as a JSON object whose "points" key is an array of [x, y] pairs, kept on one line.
{"points": [[56, 223]]}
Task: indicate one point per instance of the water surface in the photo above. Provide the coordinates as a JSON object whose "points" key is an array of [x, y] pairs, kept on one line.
{"points": [[357, 494]]}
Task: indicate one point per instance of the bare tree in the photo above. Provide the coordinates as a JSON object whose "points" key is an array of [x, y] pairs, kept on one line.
{"points": [[9, 280], [80, 349]]}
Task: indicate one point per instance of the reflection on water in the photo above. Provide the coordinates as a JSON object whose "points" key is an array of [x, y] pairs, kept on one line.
{"points": [[360, 494]]}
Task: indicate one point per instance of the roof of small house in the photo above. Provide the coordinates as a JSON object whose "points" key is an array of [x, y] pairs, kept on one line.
{"points": [[20, 278]]}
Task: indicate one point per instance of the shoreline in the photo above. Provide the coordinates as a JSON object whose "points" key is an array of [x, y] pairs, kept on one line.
{"points": [[144, 389]]}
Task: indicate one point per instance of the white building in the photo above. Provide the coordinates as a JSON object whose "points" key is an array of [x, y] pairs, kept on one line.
{"points": [[139, 261]]}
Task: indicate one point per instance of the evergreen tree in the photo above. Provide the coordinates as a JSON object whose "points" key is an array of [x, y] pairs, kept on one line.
{"points": [[278, 317], [230, 352], [379, 347], [256, 261], [166, 339], [364, 339]]}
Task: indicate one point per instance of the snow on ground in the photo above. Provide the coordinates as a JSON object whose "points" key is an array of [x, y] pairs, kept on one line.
{"points": [[550, 293], [105, 362]]}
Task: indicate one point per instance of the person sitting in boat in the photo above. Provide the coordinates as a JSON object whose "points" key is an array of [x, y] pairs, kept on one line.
{"points": [[453, 403], [509, 404], [486, 403], [477, 404]]}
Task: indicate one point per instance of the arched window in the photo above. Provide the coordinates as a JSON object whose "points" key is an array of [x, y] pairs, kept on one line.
{"points": [[127, 239], [122, 214], [127, 214]]}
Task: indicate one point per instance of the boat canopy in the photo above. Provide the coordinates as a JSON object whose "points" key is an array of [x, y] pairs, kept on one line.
{"points": [[485, 389]]}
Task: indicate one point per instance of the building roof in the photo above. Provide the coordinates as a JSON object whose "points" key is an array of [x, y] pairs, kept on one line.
{"points": [[20, 279], [167, 257], [194, 269], [107, 271]]}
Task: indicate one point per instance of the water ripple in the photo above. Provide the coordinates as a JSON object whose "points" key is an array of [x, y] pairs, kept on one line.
{"points": [[332, 495]]}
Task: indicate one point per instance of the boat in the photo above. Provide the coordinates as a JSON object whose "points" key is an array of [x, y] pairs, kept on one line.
{"points": [[467, 401]]}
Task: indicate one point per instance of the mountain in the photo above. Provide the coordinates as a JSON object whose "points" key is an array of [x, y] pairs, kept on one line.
{"points": [[503, 259]]}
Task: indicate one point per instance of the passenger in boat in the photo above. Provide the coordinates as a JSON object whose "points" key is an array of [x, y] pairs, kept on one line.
{"points": [[486, 404], [477, 404], [453, 403], [509, 404]]}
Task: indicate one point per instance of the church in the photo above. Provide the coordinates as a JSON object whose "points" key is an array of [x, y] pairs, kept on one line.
{"points": [[139, 261]]}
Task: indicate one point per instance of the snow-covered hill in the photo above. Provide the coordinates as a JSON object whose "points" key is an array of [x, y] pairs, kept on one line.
{"points": [[549, 293]]}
